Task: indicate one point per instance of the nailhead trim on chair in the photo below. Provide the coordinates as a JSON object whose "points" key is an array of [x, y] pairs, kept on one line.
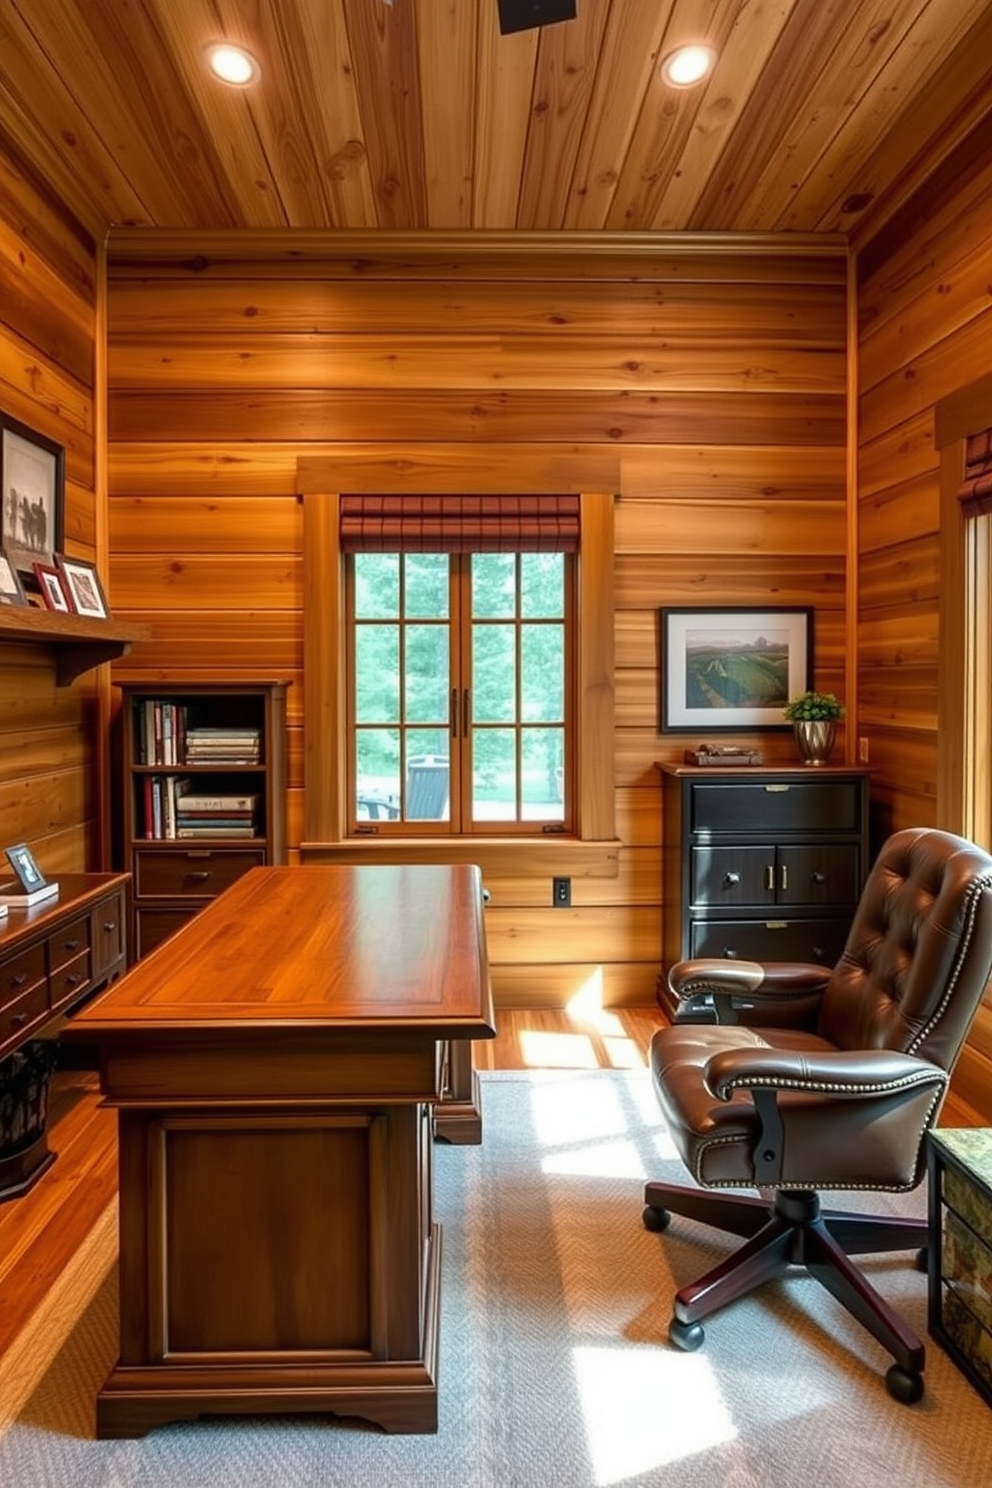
{"points": [[839, 1087], [978, 888]]}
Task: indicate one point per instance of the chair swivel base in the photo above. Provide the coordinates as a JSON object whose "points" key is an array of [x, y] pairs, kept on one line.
{"points": [[793, 1230]]}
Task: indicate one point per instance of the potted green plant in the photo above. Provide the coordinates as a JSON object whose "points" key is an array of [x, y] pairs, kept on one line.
{"points": [[814, 716]]}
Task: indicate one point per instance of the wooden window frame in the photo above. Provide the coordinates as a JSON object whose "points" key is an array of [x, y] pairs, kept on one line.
{"points": [[592, 849], [964, 705]]}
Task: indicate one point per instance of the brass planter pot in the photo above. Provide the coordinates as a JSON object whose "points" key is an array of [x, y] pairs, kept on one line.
{"points": [[815, 739]]}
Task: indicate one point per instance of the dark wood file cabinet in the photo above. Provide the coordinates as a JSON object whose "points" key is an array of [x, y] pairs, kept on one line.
{"points": [[761, 863]]}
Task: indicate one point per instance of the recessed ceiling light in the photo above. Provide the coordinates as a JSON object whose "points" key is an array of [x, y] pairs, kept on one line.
{"points": [[687, 65], [232, 64]]}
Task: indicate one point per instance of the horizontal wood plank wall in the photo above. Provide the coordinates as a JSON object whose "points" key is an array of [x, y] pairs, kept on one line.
{"points": [[925, 325], [49, 736], [714, 369]]}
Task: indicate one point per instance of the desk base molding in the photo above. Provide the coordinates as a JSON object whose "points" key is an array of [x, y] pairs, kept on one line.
{"points": [[398, 1396]]}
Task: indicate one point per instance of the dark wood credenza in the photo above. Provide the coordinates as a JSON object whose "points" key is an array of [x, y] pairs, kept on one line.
{"points": [[53, 955], [760, 863]]}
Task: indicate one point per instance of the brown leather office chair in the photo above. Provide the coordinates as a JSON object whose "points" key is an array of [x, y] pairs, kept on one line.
{"points": [[831, 1083]]}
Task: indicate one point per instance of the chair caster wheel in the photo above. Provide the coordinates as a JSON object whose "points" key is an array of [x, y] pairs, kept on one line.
{"points": [[902, 1386], [920, 1259], [656, 1220], [686, 1336]]}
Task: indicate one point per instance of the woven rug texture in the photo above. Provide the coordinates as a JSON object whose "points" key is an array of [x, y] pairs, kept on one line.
{"points": [[555, 1370]]}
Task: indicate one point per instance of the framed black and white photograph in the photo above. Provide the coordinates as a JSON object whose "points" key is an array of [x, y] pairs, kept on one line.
{"points": [[29, 875], [11, 588], [83, 587], [32, 496], [725, 669]]}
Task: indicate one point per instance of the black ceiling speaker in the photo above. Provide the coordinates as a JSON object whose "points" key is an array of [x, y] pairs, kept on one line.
{"points": [[524, 15]]}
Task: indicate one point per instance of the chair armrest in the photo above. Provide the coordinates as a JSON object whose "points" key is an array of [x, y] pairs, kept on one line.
{"points": [[771, 992], [845, 1073]]}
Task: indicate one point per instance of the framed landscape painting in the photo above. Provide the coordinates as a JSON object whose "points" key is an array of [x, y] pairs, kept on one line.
{"points": [[725, 669]]}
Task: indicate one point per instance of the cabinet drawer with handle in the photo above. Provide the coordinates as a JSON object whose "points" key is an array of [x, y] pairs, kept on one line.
{"points": [[68, 943], [70, 981], [196, 872], [21, 973], [22, 1015]]}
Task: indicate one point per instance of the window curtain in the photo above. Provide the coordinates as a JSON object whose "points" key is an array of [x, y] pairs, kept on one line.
{"points": [[459, 524], [975, 492]]}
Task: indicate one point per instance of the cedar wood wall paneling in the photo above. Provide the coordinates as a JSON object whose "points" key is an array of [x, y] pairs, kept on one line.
{"points": [[49, 736], [925, 325], [718, 380]]}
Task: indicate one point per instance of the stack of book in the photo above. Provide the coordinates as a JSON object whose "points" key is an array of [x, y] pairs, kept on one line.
{"points": [[223, 746], [215, 816]]}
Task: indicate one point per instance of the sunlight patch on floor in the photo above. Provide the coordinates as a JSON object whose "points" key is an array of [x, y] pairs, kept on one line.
{"points": [[557, 1050], [647, 1407]]}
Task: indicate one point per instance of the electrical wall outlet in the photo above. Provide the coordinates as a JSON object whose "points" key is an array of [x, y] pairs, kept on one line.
{"points": [[863, 749], [561, 892]]}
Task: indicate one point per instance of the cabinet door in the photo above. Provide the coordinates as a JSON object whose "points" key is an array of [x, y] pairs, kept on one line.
{"points": [[729, 876], [818, 874]]}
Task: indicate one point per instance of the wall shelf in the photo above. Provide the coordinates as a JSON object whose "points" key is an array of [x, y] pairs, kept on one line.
{"points": [[79, 643]]}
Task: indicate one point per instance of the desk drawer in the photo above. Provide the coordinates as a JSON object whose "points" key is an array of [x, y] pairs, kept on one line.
{"points": [[197, 872], [23, 972], [19, 1017]]}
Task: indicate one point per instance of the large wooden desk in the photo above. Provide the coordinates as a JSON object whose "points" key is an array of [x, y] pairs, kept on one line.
{"points": [[274, 1066]]}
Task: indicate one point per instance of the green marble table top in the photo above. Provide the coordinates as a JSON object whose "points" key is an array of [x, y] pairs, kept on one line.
{"points": [[971, 1146]]}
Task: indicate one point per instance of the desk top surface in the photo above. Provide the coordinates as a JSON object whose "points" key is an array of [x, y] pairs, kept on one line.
{"points": [[328, 947]]}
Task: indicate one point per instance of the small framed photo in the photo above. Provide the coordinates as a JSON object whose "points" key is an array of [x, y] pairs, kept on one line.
{"points": [[29, 875], [32, 496], [725, 669], [11, 588], [52, 586], [83, 588]]}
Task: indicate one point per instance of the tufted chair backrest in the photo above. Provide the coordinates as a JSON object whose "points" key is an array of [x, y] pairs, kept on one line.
{"points": [[919, 953]]}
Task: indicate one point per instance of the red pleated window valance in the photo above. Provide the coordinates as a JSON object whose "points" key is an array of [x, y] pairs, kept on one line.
{"points": [[459, 524], [976, 488]]}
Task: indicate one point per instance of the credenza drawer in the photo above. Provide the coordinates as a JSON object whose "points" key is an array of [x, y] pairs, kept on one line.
{"points": [[197, 872], [70, 981], [69, 942], [22, 972], [21, 1015], [769, 940], [777, 806]]}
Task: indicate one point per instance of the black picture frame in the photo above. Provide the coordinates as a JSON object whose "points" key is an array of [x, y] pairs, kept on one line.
{"points": [[730, 668], [26, 870], [32, 496]]}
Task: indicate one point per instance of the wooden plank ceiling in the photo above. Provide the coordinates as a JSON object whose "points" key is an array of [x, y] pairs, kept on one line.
{"points": [[413, 114]]}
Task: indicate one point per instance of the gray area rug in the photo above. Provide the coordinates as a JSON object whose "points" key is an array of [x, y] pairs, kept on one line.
{"points": [[555, 1368]]}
